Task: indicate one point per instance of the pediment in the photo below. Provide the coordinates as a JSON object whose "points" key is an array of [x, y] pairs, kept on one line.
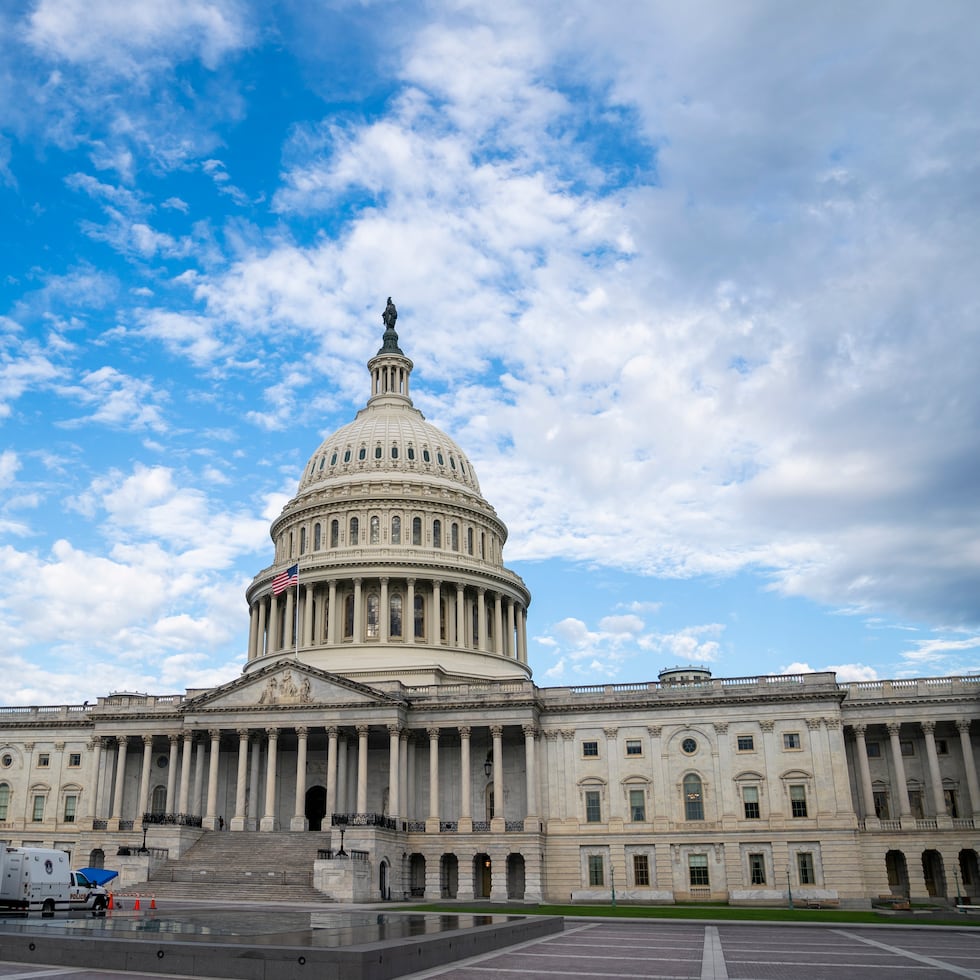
{"points": [[286, 685]]}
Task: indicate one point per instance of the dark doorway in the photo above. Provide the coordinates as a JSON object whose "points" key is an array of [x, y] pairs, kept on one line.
{"points": [[934, 873], [482, 876], [515, 876], [316, 806], [898, 873]]}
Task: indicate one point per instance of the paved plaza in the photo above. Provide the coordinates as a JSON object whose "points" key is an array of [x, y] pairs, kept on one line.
{"points": [[665, 950]]}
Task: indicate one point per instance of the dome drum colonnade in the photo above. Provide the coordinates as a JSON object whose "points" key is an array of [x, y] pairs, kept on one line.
{"points": [[396, 548]]}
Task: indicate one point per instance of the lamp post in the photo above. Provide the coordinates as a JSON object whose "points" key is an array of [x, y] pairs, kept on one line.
{"points": [[342, 852], [612, 879], [146, 824], [789, 888]]}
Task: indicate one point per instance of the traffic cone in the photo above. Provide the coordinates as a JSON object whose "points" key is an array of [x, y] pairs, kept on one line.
{"points": [[136, 904], [153, 901], [111, 905]]}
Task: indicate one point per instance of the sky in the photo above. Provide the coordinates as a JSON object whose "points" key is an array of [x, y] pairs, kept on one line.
{"points": [[694, 285]]}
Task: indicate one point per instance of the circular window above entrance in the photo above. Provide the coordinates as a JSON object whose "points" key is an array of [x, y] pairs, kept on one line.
{"points": [[689, 745]]}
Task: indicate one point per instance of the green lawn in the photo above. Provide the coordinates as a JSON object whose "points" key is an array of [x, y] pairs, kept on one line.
{"points": [[716, 912]]}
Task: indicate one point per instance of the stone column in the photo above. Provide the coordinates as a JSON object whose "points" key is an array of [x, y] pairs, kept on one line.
{"points": [[521, 635], [821, 765], [531, 820], [342, 806], [554, 769], [144, 801], [465, 783], [659, 780], [331, 774], [273, 644], [393, 768], [969, 763], [117, 795], [460, 616], [198, 779], [481, 620], [410, 796], [269, 821], [238, 820], [362, 768], [498, 624], [384, 615], [93, 807], [289, 620], [172, 774], [509, 648], [299, 821], [864, 772], [614, 814], [833, 733], [943, 819], [498, 823], [185, 773], [253, 805], [211, 814], [437, 612], [261, 638], [432, 820], [901, 789], [723, 775], [308, 605], [358, 613], [319, 620], [253, 631], [403, 801], [410, 611], [332, 613]]}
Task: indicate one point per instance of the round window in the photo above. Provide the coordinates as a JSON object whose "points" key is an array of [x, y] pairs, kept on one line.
{"points": [[162, 762], [689, 746], [7, 761]]}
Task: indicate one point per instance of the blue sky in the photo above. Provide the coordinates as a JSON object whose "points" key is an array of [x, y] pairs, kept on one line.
{"points": [[694, 285]]}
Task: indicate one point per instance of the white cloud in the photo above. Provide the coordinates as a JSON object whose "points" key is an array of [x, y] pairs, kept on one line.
{"points": [[119, 401]]}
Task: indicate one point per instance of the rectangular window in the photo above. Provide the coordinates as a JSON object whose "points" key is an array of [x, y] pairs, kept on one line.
{"points": [[4, 801], [750, 800], [908, 746], [71, 803], [590, 750], [641, 870], [634, 746], [638, 806], [949, 795], [791, 740], [596, 871], [746, 743], [881, 805], [74, 760], [43, 760], [593, 809], [797, 798], [874, 750], [942, 746], [757, 869], [804, 864], [915, 802], [38, 813], [698, 868]]}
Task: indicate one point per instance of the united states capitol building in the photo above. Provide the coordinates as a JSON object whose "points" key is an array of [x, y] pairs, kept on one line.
{"points": [[386, 719]]}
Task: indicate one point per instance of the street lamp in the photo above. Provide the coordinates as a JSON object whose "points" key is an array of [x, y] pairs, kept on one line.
{"points": [[488, 765], [789, 888], [146, 824], [612, 879]]}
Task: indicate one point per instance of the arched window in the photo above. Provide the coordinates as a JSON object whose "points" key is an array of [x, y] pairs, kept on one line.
{"points": [[373, 606], [396, 530], [411, 452], [693, 800], [443, 611], [349, 616], [394, 452], [333, 458], [354, 530], [469, 541], [316, 537], [454, 537], [158, 802], [375, 529], [426, 458], [362, 453], [334, 534], [4, 800], [347, 455], [302, 540], [419, 618], [483, 544], [417, 530], [395, 615], [290, 552], [437, 534]]}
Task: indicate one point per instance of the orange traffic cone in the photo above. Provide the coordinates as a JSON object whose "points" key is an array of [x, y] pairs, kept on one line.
{"points": [[136, 904], [153, 901], [110, 906]]}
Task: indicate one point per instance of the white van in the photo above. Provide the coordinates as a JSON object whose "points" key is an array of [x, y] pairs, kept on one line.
{"points": [[34, 879]]}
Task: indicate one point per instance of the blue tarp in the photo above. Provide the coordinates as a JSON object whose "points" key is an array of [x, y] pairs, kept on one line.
{"points": [[98, 876]]}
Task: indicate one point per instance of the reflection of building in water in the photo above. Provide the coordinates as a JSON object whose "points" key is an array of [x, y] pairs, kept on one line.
{"points": [[389, 694]]}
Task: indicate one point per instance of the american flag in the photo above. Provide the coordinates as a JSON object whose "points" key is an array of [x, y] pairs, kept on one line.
{"points": [[285, 579]]}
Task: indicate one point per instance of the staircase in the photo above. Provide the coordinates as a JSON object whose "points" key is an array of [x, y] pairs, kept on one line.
{"points": [[241, 866]]}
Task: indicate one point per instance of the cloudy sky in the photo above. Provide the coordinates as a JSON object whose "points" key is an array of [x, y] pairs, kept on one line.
{"points": [[696, 286]]}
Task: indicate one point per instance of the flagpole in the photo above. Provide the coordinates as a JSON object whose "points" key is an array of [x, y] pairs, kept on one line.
{"points": [[296, 613]]}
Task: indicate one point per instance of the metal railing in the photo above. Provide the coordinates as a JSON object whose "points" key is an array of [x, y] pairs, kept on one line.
{"points": [[172, 819], [363, 820]]}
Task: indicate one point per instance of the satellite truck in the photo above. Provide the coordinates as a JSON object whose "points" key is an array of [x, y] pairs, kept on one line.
{"points": [[39, 879]]}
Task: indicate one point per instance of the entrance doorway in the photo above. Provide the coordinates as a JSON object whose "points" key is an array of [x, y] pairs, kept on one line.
{"points": [[450, 875], [934, 873], [482, 875], [316, 806], [898, 873], [515, 876], [383, 881]]}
